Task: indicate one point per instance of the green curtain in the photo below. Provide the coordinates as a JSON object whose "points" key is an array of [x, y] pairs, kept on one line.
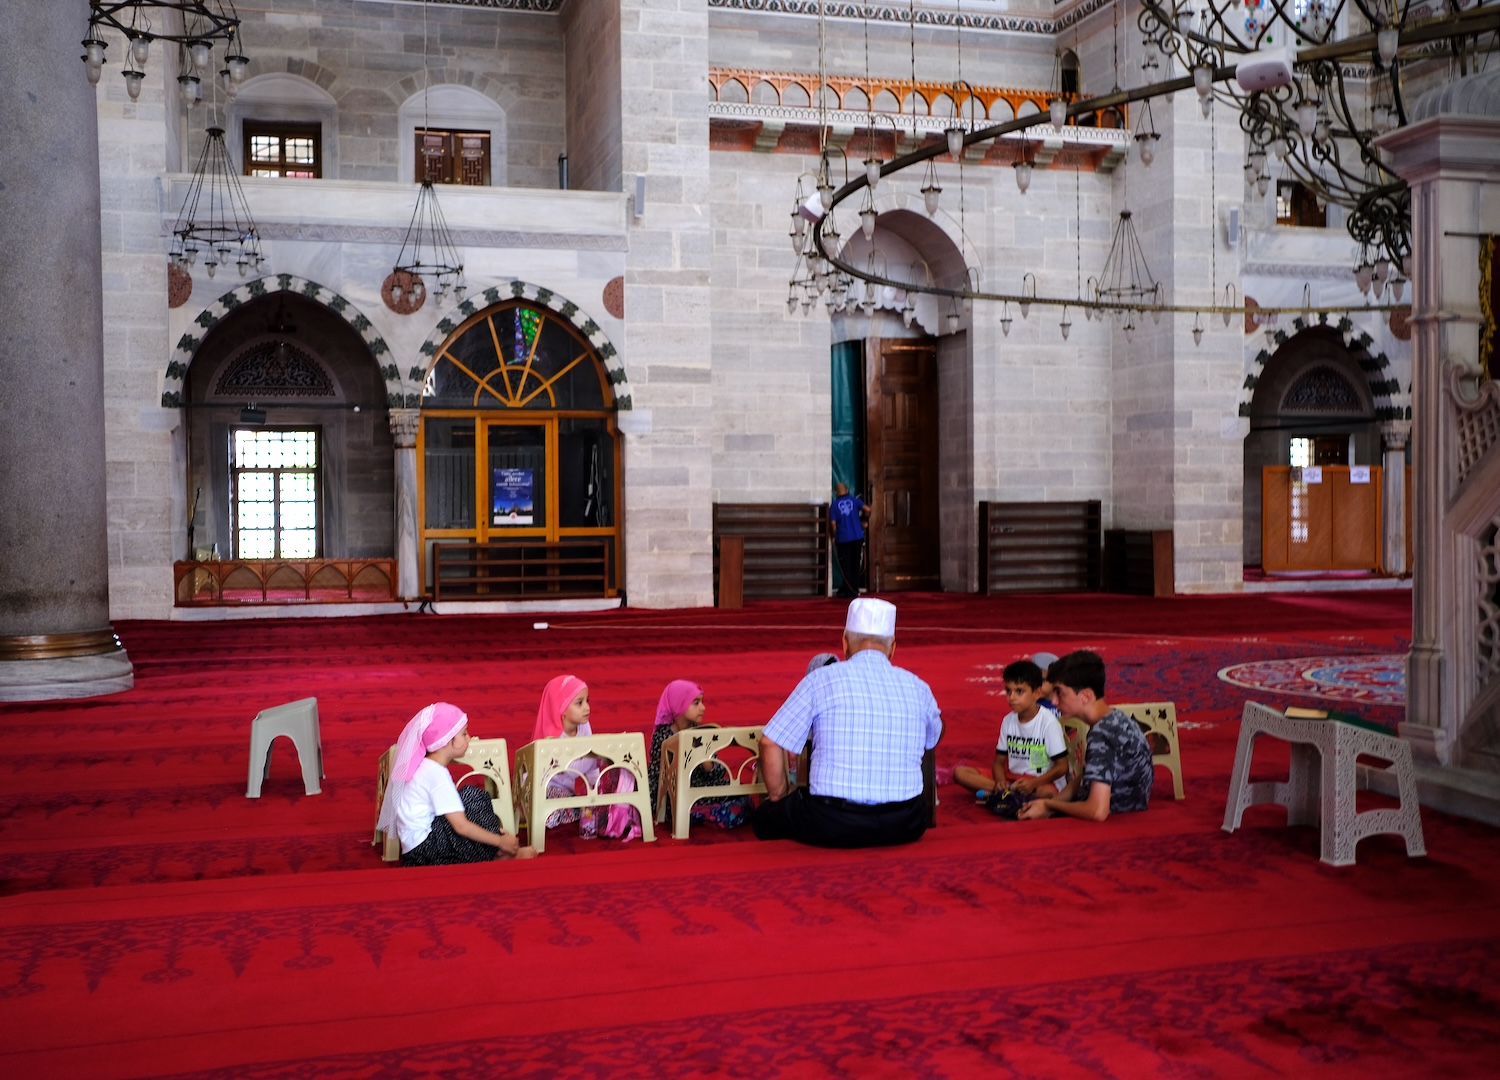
{"points": [[848, 383]]}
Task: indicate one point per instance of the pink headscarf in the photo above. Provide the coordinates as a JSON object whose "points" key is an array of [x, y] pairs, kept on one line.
{"points": [[556, 698], [675, 700], [431, 728]]}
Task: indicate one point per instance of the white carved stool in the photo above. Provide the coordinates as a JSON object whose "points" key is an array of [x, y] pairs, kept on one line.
{"points": [[685, 751], [538, 762], [1320, 786]]}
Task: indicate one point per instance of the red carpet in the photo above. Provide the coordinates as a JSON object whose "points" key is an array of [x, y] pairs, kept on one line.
{"points": [[156, 922]]}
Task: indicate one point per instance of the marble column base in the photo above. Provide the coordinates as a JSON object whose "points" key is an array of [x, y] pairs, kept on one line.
{"points": [[66, 677]]}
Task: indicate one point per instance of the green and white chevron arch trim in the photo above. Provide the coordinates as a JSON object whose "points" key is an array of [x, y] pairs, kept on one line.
{"points": [[209, 317], [1391, 403], [532, 294]]}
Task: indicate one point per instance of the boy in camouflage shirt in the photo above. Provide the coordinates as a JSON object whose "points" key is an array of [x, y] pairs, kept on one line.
{"points": [[1117, 770]]}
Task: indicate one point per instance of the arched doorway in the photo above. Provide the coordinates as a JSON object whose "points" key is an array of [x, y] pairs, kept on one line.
{"points": [[895, 362], [1313, 406], [519, 484], [288, 446]]}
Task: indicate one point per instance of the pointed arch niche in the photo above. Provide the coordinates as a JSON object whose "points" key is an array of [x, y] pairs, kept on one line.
{"points": [[518, 478], [282, 361], [1321, 386], [900, 408]]}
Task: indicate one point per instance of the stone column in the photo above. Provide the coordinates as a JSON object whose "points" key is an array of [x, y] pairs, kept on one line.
{"points": [[1450, 156], [669, 335], [408, 554], [1393, 435], [55, 637]]}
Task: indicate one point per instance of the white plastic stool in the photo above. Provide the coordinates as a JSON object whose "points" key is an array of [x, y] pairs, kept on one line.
{"points": [[298, 720]]}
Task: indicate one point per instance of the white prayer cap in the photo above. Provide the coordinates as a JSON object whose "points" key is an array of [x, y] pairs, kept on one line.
{"points": [[867, 615]]}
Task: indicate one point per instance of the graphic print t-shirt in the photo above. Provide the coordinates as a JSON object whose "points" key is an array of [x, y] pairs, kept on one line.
{"points": [[1032, 745]]}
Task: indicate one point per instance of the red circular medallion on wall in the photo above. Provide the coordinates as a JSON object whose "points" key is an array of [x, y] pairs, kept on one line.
{"points": [[614, 297], [179, 286], [403, 291], [1251, 304], [1400, 322]]}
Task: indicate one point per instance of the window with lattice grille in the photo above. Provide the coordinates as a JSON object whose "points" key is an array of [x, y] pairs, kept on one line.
{"points": [[275, 493], [453, 157], [283, 149]]}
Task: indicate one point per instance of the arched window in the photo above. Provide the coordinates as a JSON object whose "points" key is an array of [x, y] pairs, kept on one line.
{"points": [[520, 456], [463, 133]]}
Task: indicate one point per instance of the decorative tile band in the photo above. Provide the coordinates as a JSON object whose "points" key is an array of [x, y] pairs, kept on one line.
{"points": [[480, 238]]}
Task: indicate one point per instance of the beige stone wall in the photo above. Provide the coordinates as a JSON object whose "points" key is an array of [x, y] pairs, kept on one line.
{"points": [[593, 96], [669, 334], [144, 447], [369, 57], [770, 368]]}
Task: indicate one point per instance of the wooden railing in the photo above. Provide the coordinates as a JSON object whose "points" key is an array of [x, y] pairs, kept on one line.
{"points": [[1039, 547], [523, 569], [786, 547], [221, 582]]}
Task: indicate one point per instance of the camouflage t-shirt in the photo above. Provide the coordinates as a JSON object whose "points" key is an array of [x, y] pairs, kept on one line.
{"points": [[1118, 755]]}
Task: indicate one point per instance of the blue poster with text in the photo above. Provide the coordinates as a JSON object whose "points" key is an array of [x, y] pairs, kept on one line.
{"points": [[513, 502]]}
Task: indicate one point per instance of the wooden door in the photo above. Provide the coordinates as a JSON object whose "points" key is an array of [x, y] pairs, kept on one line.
{"points": [[901, 404], [1331, 524]]}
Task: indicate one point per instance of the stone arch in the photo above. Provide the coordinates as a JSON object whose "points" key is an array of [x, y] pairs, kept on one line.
{"points": [[541, 297], [209, 317], [1390, 402]]}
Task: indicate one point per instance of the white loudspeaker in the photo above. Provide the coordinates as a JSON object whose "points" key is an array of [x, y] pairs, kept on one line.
{"points": [[1232, 227], [640, 195], [1264, 70]]}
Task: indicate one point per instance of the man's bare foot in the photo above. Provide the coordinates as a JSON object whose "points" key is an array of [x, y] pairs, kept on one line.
{"points": [[526, 853]]}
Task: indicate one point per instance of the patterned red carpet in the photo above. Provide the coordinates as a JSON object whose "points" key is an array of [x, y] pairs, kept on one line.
{"points": [[155, 922]]}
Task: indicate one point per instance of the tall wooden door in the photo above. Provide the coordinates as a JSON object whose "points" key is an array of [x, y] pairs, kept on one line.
{"points": [[901, 403]]}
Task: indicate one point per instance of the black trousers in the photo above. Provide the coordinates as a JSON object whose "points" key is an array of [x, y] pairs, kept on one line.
{"points": [[827, 822], [444, 847], [848, 553]]}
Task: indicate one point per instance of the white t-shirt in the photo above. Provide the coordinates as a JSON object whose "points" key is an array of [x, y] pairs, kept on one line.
{"points": [[431, 794], [1031, 746]]}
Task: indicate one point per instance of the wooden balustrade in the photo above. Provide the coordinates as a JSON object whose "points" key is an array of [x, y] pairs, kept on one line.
{"points": [[231, 582]]}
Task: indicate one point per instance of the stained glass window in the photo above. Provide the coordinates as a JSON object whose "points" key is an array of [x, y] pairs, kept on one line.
{"points": [[517, 357], [275, 494]]}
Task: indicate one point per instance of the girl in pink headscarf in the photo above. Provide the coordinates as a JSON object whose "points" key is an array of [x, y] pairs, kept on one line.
{"points": [[679, 708], [563, 714], [436, 823]]}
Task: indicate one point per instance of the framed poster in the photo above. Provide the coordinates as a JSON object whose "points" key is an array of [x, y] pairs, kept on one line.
{"points": [[513, 504]]}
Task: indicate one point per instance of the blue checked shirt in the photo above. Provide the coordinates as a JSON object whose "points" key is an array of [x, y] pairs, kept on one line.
{"points": [[869, 720]]}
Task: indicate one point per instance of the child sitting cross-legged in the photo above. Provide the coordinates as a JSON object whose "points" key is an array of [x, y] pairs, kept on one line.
{"points": [[1031, 757], [438, 824]]}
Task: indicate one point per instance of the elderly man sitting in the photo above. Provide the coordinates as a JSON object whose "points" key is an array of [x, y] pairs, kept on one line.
{"points": [[870, 723]]}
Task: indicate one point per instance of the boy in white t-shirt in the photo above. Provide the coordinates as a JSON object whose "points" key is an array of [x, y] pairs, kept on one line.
{"points": [[1031, 757]]}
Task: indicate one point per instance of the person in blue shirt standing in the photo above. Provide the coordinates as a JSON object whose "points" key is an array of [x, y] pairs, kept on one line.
{"points": [[847, 515]]}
